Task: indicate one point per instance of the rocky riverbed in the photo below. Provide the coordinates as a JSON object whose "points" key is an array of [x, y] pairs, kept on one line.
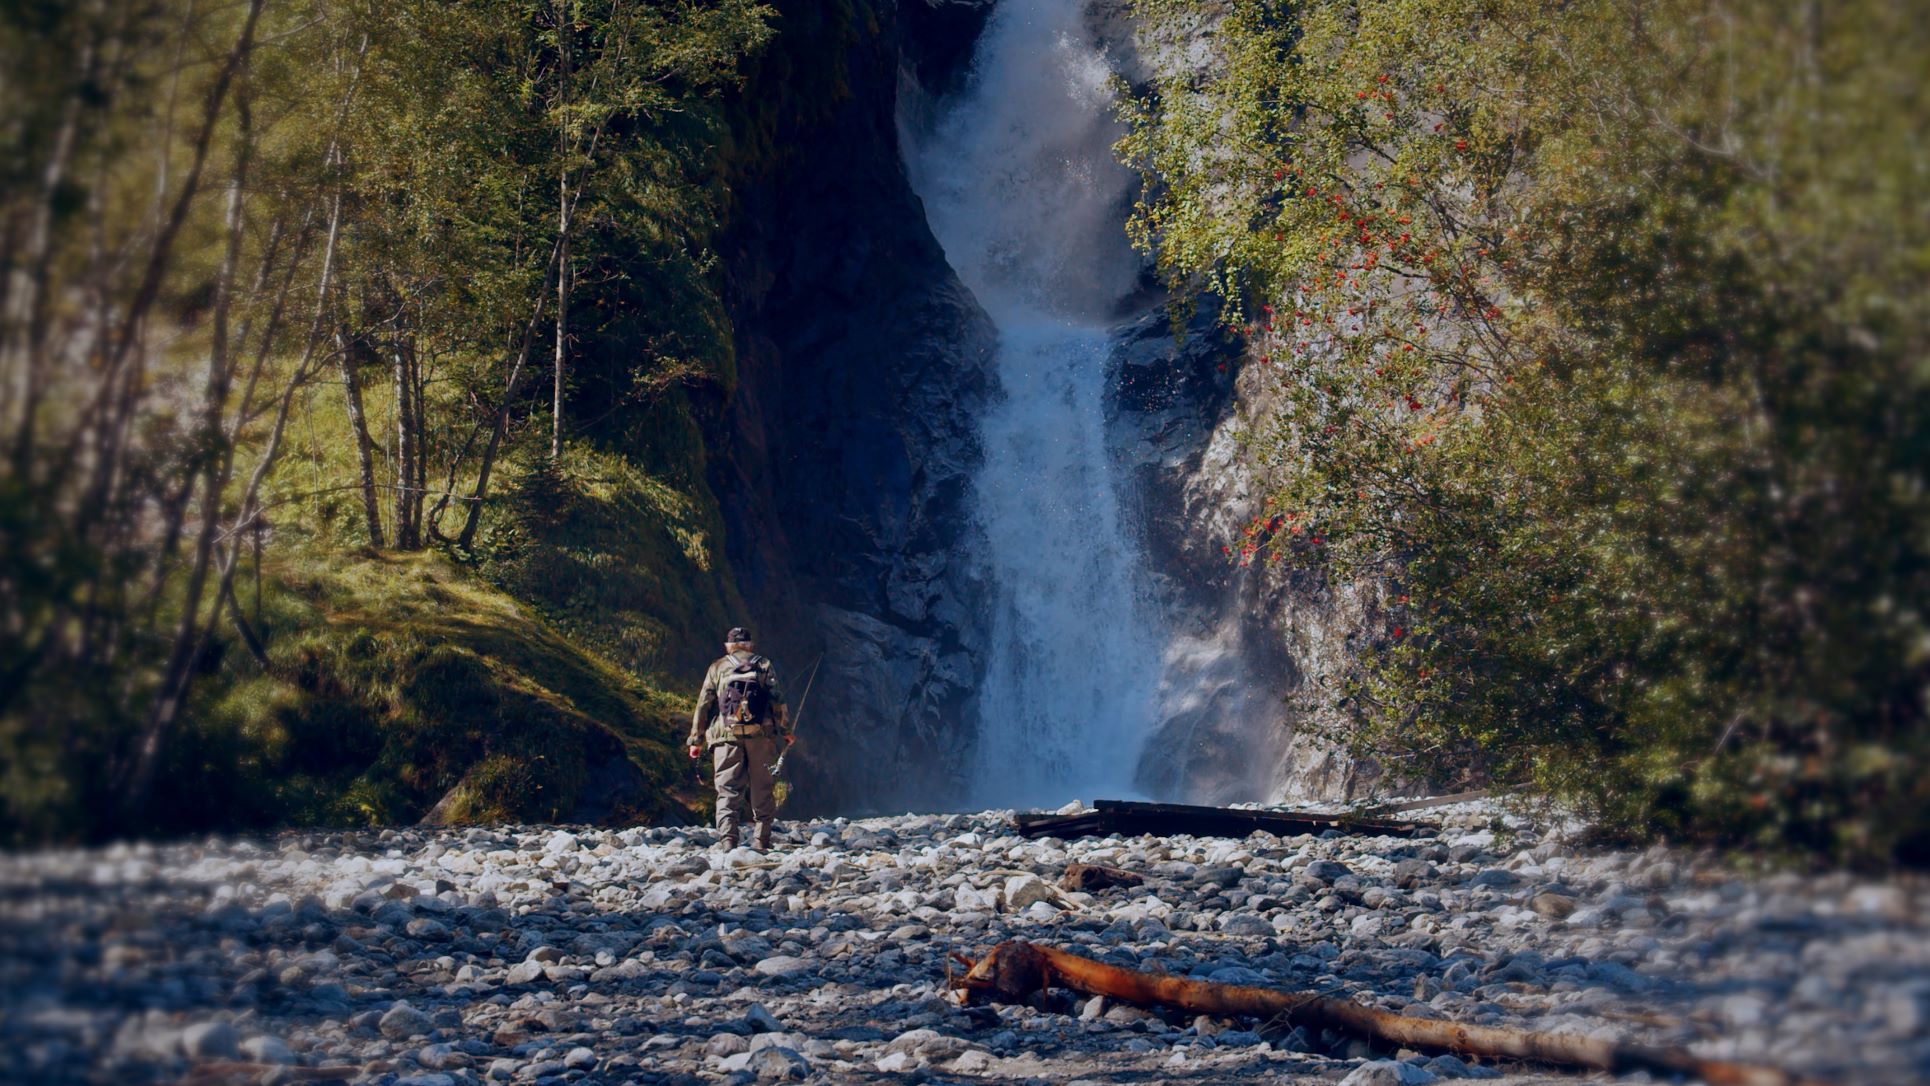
{"points": [[543, 955]]}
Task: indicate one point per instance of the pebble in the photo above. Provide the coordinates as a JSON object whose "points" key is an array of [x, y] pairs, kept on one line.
{"points": [[266, 1049], [210, 1041], [784, 965], [778, 1065], [511, 955], [1327, 871], [1552, 905], [1022, 891], [403, 1021], [761, 1020], [1389, 1073]]}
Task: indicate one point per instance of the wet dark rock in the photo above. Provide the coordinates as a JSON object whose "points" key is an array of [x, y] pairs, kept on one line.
{"points": [[1327, 871], [1409, 874], [937, 39], [844, 454]]}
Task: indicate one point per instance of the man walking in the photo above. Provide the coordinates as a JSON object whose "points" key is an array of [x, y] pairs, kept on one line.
{"points": [[741, 717]]}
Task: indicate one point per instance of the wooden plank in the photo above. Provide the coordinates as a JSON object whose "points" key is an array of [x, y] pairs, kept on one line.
{"points": [[1164, 819]]}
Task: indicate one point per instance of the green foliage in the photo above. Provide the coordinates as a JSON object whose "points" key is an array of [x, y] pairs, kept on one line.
{"points": [[1596, 333], [398, 682], [445, 139], [465, 120], [623, 561]]}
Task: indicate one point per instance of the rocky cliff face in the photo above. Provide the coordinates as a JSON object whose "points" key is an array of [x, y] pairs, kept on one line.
{"points": [[1256, 650], [1252, 647], [843, 458]]}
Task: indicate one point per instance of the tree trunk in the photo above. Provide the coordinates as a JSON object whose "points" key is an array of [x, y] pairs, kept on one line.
{"points": [[122, 387], [406, 442], [498, 428], [420, 493], [499, 425], [33, 292], [562, 334], [364, 444], [449, 482], [565, 31], [248, 519], [179, 670]]}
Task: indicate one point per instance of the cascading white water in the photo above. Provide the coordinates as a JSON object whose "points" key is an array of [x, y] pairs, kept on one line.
{"points": [[1021, 188]]}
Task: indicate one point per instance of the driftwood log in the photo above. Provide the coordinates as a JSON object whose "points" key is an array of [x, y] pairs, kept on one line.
{"points": [[1164, 819], [1015, 971], [1087, 878]]}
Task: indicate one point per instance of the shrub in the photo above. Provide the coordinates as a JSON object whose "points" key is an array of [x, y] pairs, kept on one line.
{"points": [[1597, 335]]}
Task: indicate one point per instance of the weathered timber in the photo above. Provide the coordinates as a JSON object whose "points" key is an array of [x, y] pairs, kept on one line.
{"points": [[1090, 877], [1016, 971], [1162, 819]]}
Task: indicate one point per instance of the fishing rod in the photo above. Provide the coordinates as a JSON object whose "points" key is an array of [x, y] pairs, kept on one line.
{"points": [[777, 767]]}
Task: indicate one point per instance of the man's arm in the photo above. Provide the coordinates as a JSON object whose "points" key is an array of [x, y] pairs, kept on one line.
{"points": [[706, 706]]}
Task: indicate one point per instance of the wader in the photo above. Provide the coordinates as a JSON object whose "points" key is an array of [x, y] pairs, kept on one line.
{"points": [[744, 781]]}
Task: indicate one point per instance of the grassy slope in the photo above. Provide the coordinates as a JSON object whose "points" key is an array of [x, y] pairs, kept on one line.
{"points": [[592, 602], [504, 686]]}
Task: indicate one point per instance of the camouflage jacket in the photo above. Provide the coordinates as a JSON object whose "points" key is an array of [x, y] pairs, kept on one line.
{"points": [[707, 729]]}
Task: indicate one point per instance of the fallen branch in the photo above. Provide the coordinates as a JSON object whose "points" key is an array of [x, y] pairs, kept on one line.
{"points": [[1162, 819], [1015, 971]]}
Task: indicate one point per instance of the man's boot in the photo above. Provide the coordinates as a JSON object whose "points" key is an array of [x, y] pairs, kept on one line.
{"points": [[762, 838], [728, 840]]}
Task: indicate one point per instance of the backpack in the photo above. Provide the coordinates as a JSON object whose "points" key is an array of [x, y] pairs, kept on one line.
{"points": [[742, 696]]}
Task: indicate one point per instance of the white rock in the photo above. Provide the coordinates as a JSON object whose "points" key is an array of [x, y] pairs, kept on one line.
{"points": [[969, 900], [1023, 890], [210, 1040], [1878, 899], [403, 1020], [784, 965], [1389, 1073], [928, 1043], [975, 1061], [267, 1049], [778, 1064], [742, 856]]}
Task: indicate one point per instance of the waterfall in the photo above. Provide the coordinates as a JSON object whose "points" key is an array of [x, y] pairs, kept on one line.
{"points": [[1021, 189]]}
